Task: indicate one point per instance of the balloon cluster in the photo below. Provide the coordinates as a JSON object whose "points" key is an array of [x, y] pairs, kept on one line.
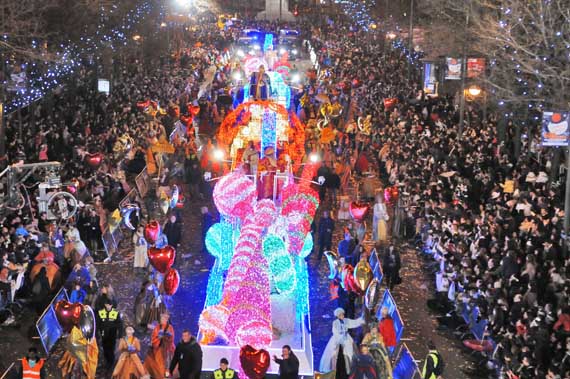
{"points": [[359, 280], [71, 315], [162, 257]]}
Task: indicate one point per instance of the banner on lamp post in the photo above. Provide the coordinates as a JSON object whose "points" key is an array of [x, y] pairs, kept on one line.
{"points": [[453, 71], [475, 67], [429, 78], [554, 129]]}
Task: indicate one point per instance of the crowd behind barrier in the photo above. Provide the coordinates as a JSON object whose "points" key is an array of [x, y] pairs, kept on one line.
{"points": [[495, 218]]}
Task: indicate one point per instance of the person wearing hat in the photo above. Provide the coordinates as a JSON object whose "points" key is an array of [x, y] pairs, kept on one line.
{"points": [[267, 168], [340, 344], [32, 366], [224, 372]]}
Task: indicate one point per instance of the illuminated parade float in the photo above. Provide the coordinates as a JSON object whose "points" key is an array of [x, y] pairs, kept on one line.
{"points": [[258, 290]]}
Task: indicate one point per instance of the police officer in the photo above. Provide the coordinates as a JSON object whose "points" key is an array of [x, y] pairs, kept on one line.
{"points": [[224, 372], [433, 365], [110, 327], [32, 366]]}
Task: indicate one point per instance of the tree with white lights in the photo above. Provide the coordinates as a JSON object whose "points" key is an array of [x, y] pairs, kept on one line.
{"points": [[527, 43]]}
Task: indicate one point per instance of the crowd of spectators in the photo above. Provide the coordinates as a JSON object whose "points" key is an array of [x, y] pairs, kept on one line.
{"points": [[491, 220], [490, 217]]}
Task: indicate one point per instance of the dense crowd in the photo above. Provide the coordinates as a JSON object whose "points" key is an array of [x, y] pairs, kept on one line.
{"points": [[490, 220]]}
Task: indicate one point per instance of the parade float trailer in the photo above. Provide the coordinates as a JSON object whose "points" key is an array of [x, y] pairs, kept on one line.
{"points": [[258, 289]]}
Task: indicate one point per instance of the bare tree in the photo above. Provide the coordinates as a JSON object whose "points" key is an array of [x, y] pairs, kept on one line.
{"points": [[22, 26], [527, 44]]}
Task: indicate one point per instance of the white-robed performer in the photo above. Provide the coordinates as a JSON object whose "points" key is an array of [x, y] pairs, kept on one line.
{"points": [[379, 227], [340, 337]]}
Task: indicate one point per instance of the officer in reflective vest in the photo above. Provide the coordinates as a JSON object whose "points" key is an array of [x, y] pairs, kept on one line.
{"points": [[32, 366], [224, 372], [110, 327], [432, 364]]}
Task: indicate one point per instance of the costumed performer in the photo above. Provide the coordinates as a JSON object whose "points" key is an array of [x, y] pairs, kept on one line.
{"points": [[363, 366], [160, 354], [379, 352], [250, 159], [129, 365], [267, 170], [379, 228], [259, 84], [340, 343]]}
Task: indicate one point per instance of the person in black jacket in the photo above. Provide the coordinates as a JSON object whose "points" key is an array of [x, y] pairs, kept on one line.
{"points": [[391, 265], [289, 365], [188, 357], [173, 231]]}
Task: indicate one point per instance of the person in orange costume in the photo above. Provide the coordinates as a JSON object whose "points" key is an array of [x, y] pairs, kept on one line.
{"points": [[129, 364], [162, 340]]}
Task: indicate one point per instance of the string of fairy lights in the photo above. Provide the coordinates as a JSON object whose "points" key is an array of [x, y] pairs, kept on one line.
{"points": [[360, 12], [68, 59]]}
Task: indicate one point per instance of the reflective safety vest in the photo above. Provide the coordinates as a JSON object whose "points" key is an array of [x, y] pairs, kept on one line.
{"points": [[219, 374], [31, 372], [112, 316], [435, 358]]}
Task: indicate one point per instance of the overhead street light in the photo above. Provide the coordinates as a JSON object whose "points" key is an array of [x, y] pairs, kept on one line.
{"points": [[474, 90]]}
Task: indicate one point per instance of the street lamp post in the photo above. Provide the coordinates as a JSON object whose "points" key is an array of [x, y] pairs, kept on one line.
{"points": [[463, 75], [411, 39]]}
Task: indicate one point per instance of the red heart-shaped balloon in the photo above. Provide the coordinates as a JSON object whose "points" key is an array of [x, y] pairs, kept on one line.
{"points": [[389, 103], [171, 281], [152, 232], [254, 362], [67, 314], [358, 211], [94, 160], [162, 259]]}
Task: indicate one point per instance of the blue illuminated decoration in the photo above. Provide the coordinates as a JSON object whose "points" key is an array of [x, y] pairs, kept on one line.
{"points": [[280, 91], [268, 130], [268, 44], [220, 241], [68, 59], [302, 291], [215, 287]]}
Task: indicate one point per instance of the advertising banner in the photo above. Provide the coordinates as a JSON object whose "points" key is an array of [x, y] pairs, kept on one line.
{"points": [[475, 67], [555, 128], [453, 71], [429, 78]]}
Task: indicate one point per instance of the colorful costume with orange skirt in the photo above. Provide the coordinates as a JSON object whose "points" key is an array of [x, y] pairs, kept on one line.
{"points": [[158, 358], [129, 364]]}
